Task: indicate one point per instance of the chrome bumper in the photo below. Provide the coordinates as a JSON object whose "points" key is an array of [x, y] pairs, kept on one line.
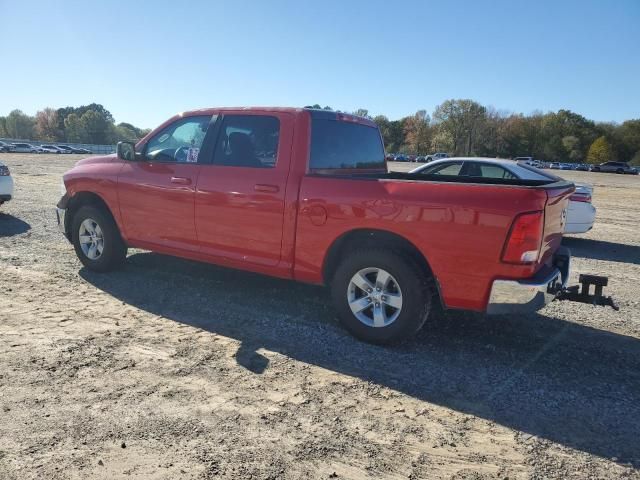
{"points": [[530, 295], [60, 214]]}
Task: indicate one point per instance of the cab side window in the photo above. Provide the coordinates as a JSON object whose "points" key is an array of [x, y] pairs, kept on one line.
{"points": [[179, 142], [248, 141]]}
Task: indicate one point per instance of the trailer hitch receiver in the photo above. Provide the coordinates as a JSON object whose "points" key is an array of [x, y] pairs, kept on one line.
{"points": [[577, 294]]}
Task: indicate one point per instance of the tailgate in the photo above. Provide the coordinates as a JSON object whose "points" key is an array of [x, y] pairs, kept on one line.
{"points": [[555, 218]]}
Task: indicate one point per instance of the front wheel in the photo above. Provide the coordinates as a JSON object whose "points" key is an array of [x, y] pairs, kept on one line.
{"points": [[380, 296], [96, 239]]}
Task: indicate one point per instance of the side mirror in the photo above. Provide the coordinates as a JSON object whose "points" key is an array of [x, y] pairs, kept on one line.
{"points": [[126, 151]]}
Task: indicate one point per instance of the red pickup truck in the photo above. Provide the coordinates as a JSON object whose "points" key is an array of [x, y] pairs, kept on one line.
{"points": [[305, 194]]}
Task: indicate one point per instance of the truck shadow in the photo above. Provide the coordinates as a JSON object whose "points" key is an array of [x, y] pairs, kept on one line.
{"points": [[10, 225], [600, 250], [569, 383]]}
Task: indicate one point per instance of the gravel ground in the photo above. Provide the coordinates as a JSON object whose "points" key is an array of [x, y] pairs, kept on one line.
{"points": [[172, 369]]}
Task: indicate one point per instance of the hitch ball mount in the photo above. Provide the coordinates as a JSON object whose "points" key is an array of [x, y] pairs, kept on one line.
{"points": [[582, 295]]}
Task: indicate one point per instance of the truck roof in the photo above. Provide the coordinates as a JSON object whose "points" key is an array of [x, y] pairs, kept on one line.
{"points": [[315, 113]]}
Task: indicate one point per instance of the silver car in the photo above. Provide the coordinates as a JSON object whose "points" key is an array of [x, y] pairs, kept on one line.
{"points": [[24, 148]]}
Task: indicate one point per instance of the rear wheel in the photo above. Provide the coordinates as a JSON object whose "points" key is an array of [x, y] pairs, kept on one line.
{"points": [[381, 296], [96, 239]]}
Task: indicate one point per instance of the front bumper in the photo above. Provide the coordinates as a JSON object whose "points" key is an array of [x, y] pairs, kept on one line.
{"points": [[530, 295], [60, 215]]}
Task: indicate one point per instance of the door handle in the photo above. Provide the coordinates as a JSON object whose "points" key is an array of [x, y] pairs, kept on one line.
{"points": [[181, 180], [262, 187]]}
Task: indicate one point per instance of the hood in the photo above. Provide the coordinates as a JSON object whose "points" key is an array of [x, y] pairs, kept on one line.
{"points": [[101, 159]]}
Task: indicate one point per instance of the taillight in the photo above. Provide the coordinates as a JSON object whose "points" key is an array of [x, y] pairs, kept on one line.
{"points": [[580, 197], [523, 244]]}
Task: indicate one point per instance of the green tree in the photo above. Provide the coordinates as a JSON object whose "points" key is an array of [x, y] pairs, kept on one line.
{"points": [[19, 125], [571, 144], [97, 127], [74, 130], [462, 121], [3, 127], [600, 151], [362, 112]]}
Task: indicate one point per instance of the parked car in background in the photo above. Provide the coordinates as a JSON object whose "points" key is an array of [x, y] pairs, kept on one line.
{"points": [[583, 167], [389, 157], [401, 158], [420, 158], [6, 184], [529, 161], [50, 149], [581, 214], [436, 156], [24, 148], [83, 150], [554, 166], [615, 167], [69, 149], [5, 147], [390, 245], [411, 158]]}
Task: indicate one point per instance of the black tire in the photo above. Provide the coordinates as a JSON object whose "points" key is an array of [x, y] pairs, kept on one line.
{"points": [[415, 287], [114, 251]]}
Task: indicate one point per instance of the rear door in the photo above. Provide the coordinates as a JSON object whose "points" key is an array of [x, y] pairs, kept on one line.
{"points": [[156, 192], [240, 195]]}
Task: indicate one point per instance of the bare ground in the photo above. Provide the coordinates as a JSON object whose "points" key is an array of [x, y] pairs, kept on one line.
{"points": [[172, 369]]}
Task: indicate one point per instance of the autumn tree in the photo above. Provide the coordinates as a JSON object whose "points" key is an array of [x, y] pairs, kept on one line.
{"points": [[47, 125], [600, 151], [417, 133]]}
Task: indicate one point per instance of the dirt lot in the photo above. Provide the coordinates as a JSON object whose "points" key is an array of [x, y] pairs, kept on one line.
{"points": [[172, 369]]}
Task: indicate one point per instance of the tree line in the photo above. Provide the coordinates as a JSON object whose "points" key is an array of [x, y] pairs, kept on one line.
{"points": [[92, 124], [459, 127], [464, 127]]}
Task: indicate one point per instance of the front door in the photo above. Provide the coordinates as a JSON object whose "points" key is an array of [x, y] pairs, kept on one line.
{"points": [[239, 206], [156, 192]]}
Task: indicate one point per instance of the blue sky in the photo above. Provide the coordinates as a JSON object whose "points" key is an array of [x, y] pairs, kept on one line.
{"points": [[145, 61]]}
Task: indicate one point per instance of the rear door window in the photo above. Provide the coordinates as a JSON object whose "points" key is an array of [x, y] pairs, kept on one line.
{"points": [[341, 145], [248, 141]]}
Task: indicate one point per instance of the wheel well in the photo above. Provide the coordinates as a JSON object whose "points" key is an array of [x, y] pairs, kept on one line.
{"points": [[81, 199], [366, 238]]}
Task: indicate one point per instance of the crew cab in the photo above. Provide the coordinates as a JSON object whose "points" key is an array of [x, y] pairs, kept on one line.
{"points": [[305, 194]]}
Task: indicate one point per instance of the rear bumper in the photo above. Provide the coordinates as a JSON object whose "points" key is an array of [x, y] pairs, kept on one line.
{"points": [[530, 295]]}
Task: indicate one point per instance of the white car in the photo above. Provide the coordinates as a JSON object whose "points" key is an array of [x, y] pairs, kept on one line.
{"points": [[51, 149], [581, 213], [6, 184]]}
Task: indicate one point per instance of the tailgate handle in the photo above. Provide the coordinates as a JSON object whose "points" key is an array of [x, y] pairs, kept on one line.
{"points": [[263, 187], [181, 180]]}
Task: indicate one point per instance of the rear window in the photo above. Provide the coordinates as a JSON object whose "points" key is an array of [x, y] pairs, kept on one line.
{"points": [[344, 145]]}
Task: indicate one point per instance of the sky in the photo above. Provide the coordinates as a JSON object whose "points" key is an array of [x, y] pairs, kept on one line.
{"points": [[146, 61]]}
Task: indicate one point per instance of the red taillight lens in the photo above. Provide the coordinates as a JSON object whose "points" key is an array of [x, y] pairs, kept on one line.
{"points": [[580, 197], [525, 237]]}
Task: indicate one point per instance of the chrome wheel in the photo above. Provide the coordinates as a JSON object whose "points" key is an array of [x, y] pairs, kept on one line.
{"points": [[374, 297], [91, 239]]}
